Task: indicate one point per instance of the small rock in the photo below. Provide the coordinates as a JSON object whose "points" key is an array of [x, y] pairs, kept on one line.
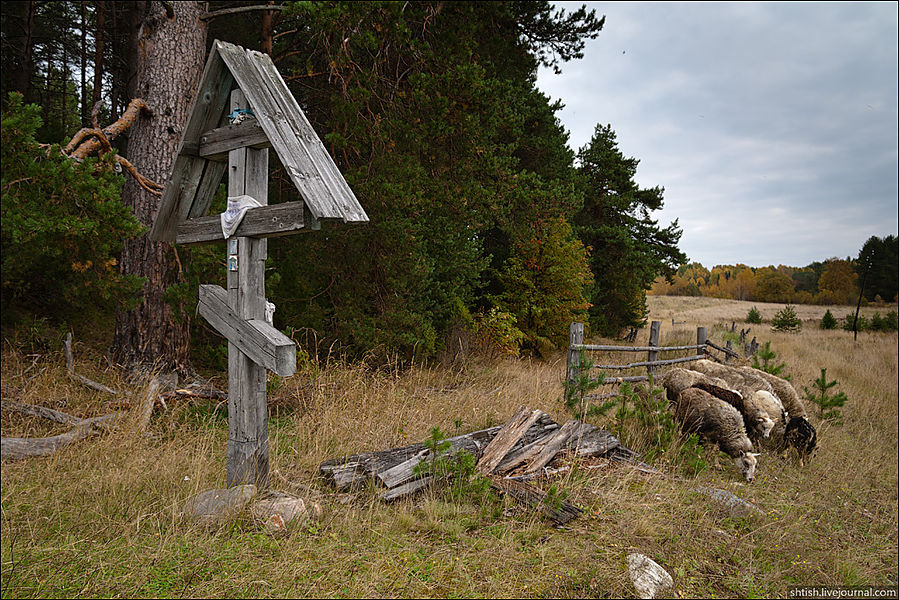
{"points": [[278, 510], [737, 506], [651, 580], [214, 505]]}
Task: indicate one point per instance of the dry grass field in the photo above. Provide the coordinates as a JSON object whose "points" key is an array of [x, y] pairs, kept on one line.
{"points": [[101, 518]]}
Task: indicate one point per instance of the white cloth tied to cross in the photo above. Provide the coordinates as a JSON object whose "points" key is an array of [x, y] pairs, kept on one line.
{"points": [[237, 208]]}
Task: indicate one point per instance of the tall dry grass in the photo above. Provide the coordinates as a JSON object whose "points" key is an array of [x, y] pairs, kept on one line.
{"points": [[102, 518]]}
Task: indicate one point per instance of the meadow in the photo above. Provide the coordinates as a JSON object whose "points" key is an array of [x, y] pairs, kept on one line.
{"points": [[102, 517]]}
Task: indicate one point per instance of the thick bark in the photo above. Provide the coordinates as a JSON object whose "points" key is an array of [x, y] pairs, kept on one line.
{"points": [[170, 58], [99, 48]]}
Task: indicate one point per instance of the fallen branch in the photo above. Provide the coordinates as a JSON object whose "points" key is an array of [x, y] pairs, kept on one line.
{"points": [[19, 448], [40, 411], [70, 369]]}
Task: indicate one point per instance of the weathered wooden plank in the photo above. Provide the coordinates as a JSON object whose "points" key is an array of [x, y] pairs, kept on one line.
{"points": [[589, 440], [551, 446], [511, 432], [343, 195], [208, 106], [275, 220], [264, 344], [212, 176], [216, 143], [270, 114]]}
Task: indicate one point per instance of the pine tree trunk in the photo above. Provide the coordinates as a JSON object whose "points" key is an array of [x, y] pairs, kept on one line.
{"points": [[170, 60]]}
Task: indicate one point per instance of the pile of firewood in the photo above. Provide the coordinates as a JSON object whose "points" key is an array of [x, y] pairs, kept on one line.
{"points": [[509, 454]]}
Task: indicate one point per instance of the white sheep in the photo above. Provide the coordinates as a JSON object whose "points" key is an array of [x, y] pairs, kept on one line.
{"points": [[761, 412], [798, 432], [717, 421]]}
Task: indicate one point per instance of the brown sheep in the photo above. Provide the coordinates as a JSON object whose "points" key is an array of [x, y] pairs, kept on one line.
{"points": [[698, 411]]}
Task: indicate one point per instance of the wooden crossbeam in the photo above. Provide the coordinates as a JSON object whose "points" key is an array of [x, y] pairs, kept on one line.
{"points": [[216, 143], [262, 343], [262, 222]]}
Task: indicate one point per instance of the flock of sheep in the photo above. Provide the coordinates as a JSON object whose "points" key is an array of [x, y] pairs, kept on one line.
{"points": [[737, 407]]}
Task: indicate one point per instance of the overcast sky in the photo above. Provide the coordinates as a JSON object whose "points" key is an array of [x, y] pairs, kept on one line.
{"points": [[772, 127]]}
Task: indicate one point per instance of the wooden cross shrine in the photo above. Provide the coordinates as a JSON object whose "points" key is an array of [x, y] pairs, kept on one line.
{"points": [[242, 108]]}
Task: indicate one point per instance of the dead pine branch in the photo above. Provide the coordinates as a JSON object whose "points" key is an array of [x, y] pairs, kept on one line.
{"points": [[70, 369], [20, 448]]}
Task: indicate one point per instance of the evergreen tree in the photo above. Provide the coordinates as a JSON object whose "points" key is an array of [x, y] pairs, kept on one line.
{"points": [[628, 248], [880, 256]]}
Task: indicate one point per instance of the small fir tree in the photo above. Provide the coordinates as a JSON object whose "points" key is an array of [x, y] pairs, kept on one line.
{"points": [[754, 316], [764, 360], [786, 320], [828, 321], [820, 396]]}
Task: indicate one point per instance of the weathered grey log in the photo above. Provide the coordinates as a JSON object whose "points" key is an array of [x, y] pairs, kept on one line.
{"points": [[40, 411], [538, 453], [276, 220], [560, 512], [553, 443], [406, 489], [589, 440], [510, 434], [358, 468], [19, 448]]}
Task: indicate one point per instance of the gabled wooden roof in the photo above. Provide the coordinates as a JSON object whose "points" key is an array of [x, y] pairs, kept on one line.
{"points": [[280, 122]]}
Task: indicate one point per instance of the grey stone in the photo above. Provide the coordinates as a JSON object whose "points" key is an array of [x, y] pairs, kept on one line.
{"points": [[650, 579], [279, 510], [214, 505], [737, 506]]}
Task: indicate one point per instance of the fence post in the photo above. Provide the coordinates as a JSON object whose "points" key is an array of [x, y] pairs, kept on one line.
{"points": [[729, 346], [653, 355], [701, 338], [575, 337]]}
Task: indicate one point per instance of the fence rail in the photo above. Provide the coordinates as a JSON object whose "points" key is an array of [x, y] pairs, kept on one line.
{"points": [[576, 345]]}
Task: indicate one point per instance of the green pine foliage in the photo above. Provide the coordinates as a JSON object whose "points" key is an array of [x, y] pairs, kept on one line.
{"points": [[754, 316], [63, 224], [457, 471], [786, 320], [432, 114], [629, 250], [828, 404], [765, 359], [828, 321]]}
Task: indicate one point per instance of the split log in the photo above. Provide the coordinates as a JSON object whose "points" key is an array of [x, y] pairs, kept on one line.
{"points": [[559, 512], [507, 437], [538, 453]]}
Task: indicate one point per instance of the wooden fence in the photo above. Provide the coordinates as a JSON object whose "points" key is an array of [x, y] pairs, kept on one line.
{"points": [[702, 347]]}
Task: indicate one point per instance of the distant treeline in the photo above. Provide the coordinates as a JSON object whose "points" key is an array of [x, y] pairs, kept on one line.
{"points": [[834, 281]]}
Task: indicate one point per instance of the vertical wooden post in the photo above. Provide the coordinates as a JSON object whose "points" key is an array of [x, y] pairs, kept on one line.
{"points": [[701, 337], [247, 459], [575, 337], [729, 346], [653, 355]]}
